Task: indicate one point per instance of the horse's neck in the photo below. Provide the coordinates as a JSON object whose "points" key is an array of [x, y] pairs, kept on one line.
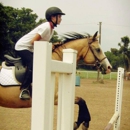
{"points": [[83, 49], [56, 56], [81, 46], [77, 45]]}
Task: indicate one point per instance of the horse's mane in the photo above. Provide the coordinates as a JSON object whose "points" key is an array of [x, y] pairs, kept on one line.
{"points": [[69, 36]]}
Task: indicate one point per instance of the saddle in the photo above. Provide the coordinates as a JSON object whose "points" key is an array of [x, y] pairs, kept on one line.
{"points": [[19, 70]]}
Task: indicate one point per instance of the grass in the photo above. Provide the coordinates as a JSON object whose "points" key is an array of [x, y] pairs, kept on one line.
{"points": [[93, 75]]}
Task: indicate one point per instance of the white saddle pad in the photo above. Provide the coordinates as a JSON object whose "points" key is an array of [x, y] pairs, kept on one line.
{"points": [[7, 77]]}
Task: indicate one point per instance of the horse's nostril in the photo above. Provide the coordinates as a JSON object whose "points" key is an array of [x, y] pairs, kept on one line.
{"points": [[109, 67]]}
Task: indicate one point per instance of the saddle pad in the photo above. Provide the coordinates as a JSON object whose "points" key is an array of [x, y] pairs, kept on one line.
{"points": [[6, 67], [7, 78]]}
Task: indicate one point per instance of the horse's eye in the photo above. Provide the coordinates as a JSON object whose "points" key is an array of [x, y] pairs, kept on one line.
{"points": [[98, 49]]}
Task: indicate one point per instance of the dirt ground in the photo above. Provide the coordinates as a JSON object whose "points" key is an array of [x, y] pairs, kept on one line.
{"points": [[100, 99]]}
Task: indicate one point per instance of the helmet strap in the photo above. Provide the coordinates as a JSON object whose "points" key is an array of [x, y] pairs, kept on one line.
{"points": [[55, 24]]}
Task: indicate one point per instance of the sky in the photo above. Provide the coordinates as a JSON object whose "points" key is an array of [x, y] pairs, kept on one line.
{"points": [[85, 15]]}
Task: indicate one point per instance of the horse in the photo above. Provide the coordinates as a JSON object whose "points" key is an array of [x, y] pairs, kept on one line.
{"points": [[88, 49], [127, 75]]}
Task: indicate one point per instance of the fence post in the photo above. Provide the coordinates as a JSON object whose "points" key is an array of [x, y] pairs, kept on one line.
{"points": [[118, 102], [67, 93], [44, 69], [42, 100], [119, 92]]}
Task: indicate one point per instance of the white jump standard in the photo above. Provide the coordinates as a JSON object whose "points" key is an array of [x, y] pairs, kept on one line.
{"points": [[44, 70], [118, 102]]}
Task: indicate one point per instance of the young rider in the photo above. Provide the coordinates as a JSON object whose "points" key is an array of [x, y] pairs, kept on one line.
{"points": [[24, 46]]}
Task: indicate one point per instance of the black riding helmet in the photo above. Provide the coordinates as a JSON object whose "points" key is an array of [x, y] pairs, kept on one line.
{"points": [[53, 11]]}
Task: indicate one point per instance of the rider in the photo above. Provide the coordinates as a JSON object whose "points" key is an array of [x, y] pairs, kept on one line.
{"points": [[24, 46]]}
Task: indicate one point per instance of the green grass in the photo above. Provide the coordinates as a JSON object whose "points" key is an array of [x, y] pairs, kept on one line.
{"points": [[93, 75]]}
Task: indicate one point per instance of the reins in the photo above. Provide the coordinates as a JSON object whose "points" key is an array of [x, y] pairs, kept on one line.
{"points": [[57, 52]]}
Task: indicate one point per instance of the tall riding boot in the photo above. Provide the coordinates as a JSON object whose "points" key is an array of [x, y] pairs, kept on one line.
{"points": [[25, 94]]}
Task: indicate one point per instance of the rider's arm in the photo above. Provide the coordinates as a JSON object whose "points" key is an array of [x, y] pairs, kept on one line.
{"points": [[36, 38]]}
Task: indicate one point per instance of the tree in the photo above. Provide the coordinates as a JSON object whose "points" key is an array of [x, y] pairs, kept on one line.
{"points": [[115, 58], [4, 40], [14, 23], [125, 50], [55, 38]]}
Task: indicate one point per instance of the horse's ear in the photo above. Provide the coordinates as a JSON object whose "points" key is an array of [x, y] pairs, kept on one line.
{"points": [[95, 35]]}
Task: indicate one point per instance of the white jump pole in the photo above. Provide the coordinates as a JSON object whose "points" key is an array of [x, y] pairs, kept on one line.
{"points": [[67, 94], [42, 100], [43, 88], [118, 102], [119, 92]]}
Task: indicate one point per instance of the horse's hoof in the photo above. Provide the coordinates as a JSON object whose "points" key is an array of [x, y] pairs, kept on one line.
{"points": [[85, 126], [75, 126]]}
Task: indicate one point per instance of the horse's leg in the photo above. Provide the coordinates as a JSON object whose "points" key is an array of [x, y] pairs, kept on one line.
{"points": [[56, 89], [83, 115]]}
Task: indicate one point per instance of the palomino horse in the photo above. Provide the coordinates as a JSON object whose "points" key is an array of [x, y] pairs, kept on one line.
{"points": [[88, 49]]}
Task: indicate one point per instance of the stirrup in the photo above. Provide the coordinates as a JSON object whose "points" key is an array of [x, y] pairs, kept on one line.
{"points": [[25, 94]]}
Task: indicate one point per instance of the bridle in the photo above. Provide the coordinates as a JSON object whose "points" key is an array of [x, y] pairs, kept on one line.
{"points": [[89, 48]]}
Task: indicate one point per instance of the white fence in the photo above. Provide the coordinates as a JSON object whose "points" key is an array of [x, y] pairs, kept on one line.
{"points": [[43, 88], [118, 102], [93, 75]]}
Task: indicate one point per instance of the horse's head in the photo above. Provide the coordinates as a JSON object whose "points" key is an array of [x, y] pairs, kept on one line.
{"points": [[88, 49], [98, 55]]}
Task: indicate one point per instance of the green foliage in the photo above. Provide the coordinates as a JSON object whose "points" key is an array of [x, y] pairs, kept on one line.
{"points": [[4, 40], [125, 51], [55, 38], [121, 57], [115, 58], [20, 22], [14, 23]]}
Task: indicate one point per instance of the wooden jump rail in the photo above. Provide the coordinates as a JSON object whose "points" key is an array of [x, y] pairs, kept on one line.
{"points": [[115, 120]]}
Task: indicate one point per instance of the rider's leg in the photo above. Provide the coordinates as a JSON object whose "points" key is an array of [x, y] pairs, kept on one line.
{"points": [[25, 94], [27, 58]]}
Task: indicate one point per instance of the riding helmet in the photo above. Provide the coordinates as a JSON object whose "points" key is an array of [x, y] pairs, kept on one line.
{"points": [[52, 11]]}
